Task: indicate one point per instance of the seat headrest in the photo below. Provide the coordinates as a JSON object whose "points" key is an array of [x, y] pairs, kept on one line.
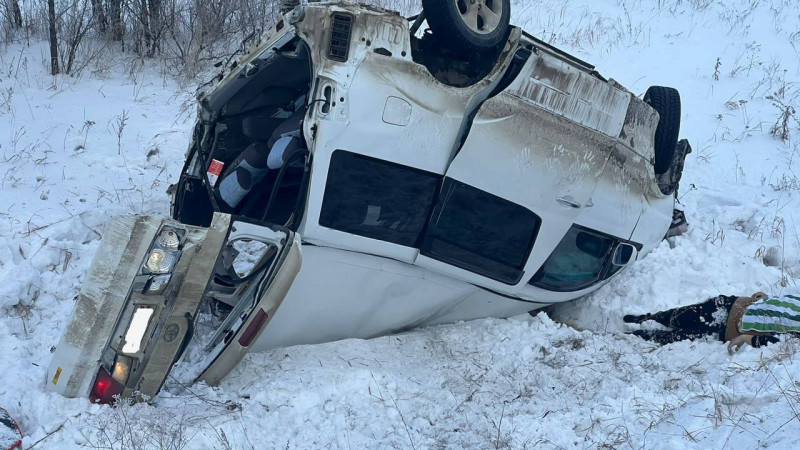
{"points": [[258, 128]]}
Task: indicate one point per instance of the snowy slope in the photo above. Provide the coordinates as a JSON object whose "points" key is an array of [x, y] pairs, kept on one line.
{"points": [[75, 151]]}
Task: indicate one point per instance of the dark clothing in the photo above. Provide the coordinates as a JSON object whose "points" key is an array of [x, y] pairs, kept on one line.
{"points": [[688, 322], [760, 341], [663, 337], [718, 316]]}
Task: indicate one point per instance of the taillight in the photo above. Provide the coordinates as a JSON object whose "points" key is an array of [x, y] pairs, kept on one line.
{"points": [[105, 388], [255, 326]]}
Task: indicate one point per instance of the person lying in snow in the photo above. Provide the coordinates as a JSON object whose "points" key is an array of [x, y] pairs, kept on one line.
{"points": [[756, 320]]}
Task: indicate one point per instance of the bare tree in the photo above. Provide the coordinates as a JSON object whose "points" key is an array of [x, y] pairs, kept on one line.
{"points": [[191, 34], [16, 13], [12, 13], [288, 5], [142, 13], [75, 22], [146, 24], [99, 14], [115, 20], [51, 17], [156, 26]]}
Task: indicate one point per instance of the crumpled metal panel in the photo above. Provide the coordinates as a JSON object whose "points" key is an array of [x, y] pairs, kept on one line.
{"points": [[561, 88], [125, 243]]}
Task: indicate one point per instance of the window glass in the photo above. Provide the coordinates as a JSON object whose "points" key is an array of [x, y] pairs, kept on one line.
{"points": [[579, 261], [377, 199], [480, 232]]}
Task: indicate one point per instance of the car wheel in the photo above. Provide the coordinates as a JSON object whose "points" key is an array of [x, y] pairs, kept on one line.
{"points": [[469, 26], [667, 102]]}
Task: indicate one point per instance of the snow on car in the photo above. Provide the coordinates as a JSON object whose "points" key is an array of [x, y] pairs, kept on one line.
{"points": [[353, 177]]}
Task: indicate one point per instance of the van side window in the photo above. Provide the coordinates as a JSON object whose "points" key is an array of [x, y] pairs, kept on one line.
{"points": [[581, 259], [377, 199], [480, 232]]}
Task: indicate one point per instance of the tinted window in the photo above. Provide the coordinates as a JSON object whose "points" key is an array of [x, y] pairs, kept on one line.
{"points": [[582, 259], [377, 199], [481, 233]]}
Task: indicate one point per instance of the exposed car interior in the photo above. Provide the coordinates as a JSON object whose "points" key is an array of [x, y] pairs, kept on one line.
{"points": [[265, 101]]}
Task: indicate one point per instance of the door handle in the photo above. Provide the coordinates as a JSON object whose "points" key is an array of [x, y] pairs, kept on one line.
{"points": [[569, 201]]}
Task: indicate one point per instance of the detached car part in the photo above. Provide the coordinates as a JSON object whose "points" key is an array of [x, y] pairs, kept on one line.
{"points": [[150, 309]]}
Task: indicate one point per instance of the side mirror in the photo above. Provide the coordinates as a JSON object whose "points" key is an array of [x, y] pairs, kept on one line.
{"points": [[624, 254]]}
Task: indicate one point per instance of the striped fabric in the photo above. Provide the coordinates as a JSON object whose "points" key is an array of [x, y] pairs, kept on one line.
{"points": [[773, 315]]}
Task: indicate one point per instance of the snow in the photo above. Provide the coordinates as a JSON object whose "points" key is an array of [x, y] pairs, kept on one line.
{"points": [[76, 151]]}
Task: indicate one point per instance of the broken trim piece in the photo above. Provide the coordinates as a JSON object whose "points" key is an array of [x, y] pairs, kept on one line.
{"points": [[670, 180]]}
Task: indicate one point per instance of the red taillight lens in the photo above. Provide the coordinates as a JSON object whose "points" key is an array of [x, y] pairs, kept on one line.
{"points": [[105, 388], [253, 329]]}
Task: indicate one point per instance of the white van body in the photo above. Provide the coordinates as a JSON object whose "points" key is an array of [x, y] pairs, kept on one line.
{"points": [[427, 195]]}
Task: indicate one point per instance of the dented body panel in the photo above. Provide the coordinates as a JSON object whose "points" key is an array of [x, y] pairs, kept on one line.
{"points": [[125, 244], [563, 89], [96, 337], [181, 305]]}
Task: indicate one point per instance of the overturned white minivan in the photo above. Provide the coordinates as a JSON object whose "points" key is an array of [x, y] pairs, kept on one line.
{"points": [[355, 176]]}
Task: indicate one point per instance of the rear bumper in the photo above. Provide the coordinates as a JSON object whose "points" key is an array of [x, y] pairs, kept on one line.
{"points": [[103, 295], [136, 316], [104, 309]]}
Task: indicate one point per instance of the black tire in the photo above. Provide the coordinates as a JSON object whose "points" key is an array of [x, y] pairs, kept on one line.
{"points": [[448, 19], [667, 102]]}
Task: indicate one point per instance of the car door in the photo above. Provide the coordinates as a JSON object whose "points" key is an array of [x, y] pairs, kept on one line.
{"points": [[619, 196], [525, 174], [274, 269], [384, 128]]}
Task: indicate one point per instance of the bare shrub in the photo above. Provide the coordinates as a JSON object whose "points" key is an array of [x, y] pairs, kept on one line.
{"points": [[786, 182], [10, 18], [131, 426], [786, 116], [716, 236], [200, 33], [75, 23], [187, 35]]}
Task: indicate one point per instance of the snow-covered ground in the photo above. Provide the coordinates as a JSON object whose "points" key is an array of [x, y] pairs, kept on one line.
{"points": [[74, 152]]}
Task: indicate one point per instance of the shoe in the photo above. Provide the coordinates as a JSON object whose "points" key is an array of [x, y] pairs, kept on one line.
{"points": [[630, 318]]}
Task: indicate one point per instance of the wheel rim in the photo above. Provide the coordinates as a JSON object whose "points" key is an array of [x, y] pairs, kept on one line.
{"points": [[481, 16]]}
